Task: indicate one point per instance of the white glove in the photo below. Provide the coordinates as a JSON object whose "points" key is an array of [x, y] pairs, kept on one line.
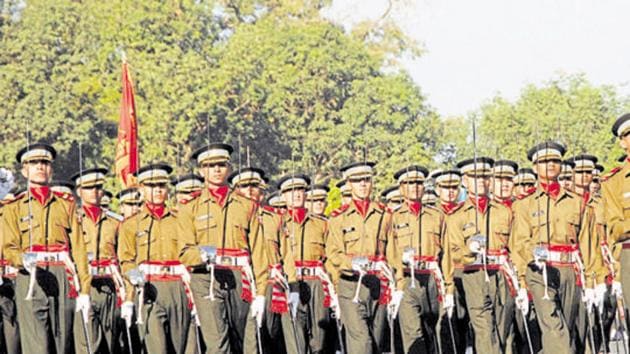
{"points": [[522, 301], [334, 306], [616, 289], [474, 247], [126, 312], [600, 293], [294, 301], [83, 305], [258, 309], [29, 261], [588, 297], [394, 304], [448, 305], [357, 268]]}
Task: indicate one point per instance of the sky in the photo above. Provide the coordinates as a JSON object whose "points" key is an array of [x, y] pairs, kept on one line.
{"points": [[477, 49]]}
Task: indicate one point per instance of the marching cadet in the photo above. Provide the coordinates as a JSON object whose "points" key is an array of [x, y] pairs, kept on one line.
{"points": [[106, 200], [276, 201], [447, 185], [186, 186], [249, 182], [566, 175], [596, 186], [148, 257], [545, 247], [346, 192], [476, 237], [218, 240], [413, 252], [595, 288], [524, 183], [430, 198], [9, 329], [356, 251], [317, 199], [302, 245], [130, 201], [392, 197], [616, 197], [503, 173], [64, 187], [100, 229], [42, 238]]}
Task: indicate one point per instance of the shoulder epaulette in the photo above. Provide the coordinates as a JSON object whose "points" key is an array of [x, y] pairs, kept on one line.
{"points": [[16, 198], [612, 172], [320, 217], [64, 196], [339, 210], [114, 216]]}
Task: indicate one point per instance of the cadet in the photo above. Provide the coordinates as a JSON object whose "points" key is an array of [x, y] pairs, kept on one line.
{"points": [[596, 186], [186, 187], [276, 202], [249, 182], [148, 256], [42, 236], [392, 197], [566, 175], [545, 250], [9, 334], [616, 196], [524, 183], [430, 198], [130, 201], [503, 173], [106, 200], [447, 185], [100, 230], [356, 251], [476, 237], [218, 239], [302, 244], [317, 199], [346, 193], [413, 252], [595, 288]]}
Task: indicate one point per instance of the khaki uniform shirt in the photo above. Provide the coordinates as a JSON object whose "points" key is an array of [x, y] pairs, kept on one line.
{"points": [[202, 221], [420, 232], [54, 223], [143, 238], [539, 218], [495, 224], [350, 234]]}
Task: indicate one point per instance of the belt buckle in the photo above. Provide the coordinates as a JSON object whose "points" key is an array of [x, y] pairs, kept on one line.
{"points": [[226, 260], [164, 270]]}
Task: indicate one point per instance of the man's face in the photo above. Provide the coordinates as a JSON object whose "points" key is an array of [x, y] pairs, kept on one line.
{"points": [[482, 184], [250, 190], [215, 173], [294, 198], [503, 187], [566, 183], [583, 179], [91, 195], [595, 187], [448, 194], [155, 193], [548, 169], [361, 187], [522, 189], [412, 190], [317, 207], [38, 172], [128, 210]]}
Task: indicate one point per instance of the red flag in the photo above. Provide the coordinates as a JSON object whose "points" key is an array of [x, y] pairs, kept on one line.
{"points": [[127, 145]]}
